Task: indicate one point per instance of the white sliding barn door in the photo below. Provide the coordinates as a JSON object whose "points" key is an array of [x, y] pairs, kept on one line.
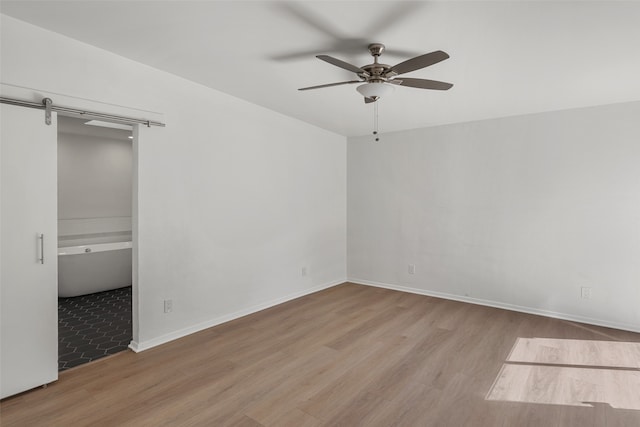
{"points": [[29, 286]]}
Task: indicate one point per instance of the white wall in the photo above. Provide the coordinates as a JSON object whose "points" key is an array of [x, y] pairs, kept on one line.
{"points": [[518, 212], [233, 199], [94, 171]]}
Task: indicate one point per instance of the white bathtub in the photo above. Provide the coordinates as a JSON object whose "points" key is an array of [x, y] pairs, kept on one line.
{"points": [[86, 269]]}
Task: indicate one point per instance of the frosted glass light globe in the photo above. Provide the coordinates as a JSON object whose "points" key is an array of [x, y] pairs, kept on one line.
{"points": [[376, 89]]}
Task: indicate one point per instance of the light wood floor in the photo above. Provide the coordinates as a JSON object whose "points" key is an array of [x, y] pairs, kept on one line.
{"points": [[348, 356]]}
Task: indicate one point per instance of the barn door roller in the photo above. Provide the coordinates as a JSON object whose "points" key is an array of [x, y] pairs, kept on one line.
{"points": [[47, 102]]}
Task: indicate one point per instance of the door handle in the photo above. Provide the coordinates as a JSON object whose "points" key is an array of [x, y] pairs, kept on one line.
{"points": [[41, 238]]}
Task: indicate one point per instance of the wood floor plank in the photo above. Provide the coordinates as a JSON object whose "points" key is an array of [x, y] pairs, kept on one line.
{"points": [[350, 355], [295, 418]]}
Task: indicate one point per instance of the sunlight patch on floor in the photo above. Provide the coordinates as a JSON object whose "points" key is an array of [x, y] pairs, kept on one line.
{"points": [[570, 372], [576, 352]]}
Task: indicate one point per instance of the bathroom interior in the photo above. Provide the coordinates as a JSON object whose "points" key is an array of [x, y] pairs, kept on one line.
{"points": [[95, 162]]}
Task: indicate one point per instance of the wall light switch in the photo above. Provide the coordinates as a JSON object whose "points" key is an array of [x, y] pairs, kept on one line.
{"points": [[168, 306], [412, 269]]}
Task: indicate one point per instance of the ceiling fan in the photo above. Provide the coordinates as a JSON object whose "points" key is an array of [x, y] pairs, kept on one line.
{"points": [[379, 78]]}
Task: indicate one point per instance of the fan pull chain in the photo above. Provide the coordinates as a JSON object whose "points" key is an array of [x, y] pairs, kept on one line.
{"points": [[375, 120]]}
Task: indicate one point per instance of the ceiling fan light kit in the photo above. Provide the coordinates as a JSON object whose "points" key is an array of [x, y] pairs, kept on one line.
{"points": [[375, 90]]}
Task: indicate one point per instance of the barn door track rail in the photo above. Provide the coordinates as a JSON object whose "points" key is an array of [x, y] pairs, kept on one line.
{"points": [[48, 106]]}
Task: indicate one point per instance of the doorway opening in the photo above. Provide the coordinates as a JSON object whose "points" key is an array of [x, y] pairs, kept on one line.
{"points": [[95, 184]]}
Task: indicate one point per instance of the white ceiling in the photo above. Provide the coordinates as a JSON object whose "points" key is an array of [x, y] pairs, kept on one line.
{"points": [[507, 57]]}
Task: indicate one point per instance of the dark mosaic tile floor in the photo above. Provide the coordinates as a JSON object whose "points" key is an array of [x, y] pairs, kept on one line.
{"points": [[93, 326]]}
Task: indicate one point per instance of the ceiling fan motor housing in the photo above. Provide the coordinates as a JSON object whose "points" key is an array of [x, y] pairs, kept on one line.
{"points": [[376, 72]]}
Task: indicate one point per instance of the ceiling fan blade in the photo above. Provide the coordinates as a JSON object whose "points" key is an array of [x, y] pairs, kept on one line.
{"points": [[418, 62], [312, 19], [393, 16], [341, 64], [331, 84], [300, 54], [422, 83]]}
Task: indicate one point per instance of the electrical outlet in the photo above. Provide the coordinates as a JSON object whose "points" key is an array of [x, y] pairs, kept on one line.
{"points": [[412, 269], [585, 292], [168, 306], [304, 271]]}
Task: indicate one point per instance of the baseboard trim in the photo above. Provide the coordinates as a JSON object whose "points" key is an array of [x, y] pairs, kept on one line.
{"points": [[497, 304], [145, 345]]}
